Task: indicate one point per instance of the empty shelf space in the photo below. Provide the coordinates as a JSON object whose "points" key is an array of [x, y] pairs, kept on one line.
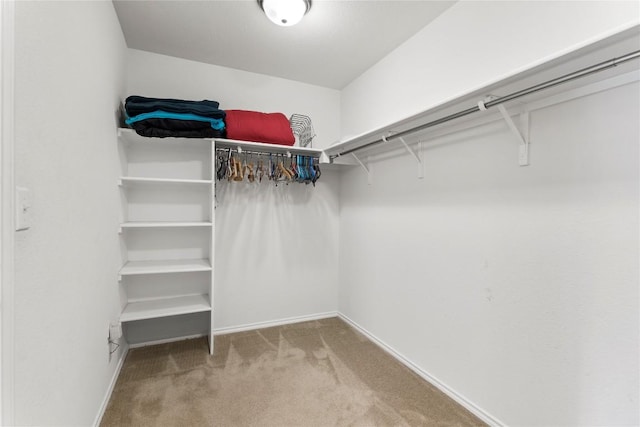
{"points": [[164, 224], [132, 180], [152, 309], [165, 266]]}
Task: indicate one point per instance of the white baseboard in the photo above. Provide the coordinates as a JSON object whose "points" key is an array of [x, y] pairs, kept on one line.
{"points": [[166, 340], [112, 384], [270, 323], [470, 406]]}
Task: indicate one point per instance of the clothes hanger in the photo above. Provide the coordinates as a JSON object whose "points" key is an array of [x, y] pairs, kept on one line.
{"points": [[284, 173], [222, 168], [229, 166], [292, 169], [231, 170], [272, 168], [239, 176], [249, 169], [299, 171], [316, 167], [303, 171], [260, 170]]}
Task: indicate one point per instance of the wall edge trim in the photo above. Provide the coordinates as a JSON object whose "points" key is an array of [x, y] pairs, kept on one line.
{"points": [[112, 385], [449, 391], [7, 214]]}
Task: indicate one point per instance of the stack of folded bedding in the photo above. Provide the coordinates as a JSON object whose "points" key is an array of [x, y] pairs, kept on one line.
{"points": [[270, 128], [160, 118]]}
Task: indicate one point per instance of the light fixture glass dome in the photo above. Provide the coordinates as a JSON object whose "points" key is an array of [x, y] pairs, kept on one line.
{"points": [[285, 12]]}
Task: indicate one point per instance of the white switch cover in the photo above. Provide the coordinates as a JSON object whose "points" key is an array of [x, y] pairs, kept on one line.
{"points": [[23, 208], [115, 331]]}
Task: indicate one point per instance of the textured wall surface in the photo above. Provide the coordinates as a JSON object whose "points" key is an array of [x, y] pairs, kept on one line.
{"points": [[517, 287], [69, 79]]}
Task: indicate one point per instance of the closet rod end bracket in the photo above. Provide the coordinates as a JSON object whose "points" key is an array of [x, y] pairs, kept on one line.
{"points": [[324, 158], [482, 104]]}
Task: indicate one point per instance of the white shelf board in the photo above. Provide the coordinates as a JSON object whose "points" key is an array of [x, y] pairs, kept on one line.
{"points": [[132, 268], [124, 180], [267, 148], [164, 224], [129, 135], [153, 309]]}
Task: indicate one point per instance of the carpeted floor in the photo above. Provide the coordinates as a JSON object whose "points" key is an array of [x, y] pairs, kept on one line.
{"points": [[318, 373]]}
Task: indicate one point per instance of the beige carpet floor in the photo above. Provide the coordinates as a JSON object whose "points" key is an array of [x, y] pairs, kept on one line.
{"points": [[318, 373]]}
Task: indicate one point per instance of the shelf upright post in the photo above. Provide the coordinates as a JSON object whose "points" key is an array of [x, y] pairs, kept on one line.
{"points": [[212, 248]]}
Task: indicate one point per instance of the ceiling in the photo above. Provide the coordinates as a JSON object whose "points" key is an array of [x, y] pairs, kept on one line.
{"points": [[335, 42]]}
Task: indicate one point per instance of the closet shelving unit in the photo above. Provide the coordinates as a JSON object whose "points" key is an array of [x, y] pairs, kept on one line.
{"points": [[173, 170], [571, 76], [166, 187]]}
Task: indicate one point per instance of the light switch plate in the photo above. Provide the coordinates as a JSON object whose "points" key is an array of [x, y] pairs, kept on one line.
{"points": [[23, 208]]}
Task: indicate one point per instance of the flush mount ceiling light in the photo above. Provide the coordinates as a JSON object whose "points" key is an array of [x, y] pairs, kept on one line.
{"points": [[285, 12]]}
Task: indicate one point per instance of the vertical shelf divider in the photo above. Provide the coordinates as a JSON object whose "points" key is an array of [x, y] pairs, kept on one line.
{"points": [[212, 240]]}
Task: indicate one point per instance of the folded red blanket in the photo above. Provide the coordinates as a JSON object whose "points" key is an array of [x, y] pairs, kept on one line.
{"points": [[272, 128]]}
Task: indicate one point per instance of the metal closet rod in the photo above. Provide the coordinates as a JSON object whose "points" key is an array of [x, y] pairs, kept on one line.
{"points": [[266, 153], [515, 95]]}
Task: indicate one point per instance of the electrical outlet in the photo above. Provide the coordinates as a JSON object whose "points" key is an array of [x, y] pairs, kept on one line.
{"points": [[115, 333]]}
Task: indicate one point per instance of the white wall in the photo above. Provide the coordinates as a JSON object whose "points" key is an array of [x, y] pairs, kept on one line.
{"points": [[276, 251], [276, 247], [470, 46], [161, 76], [516, 287], [69, 80]]}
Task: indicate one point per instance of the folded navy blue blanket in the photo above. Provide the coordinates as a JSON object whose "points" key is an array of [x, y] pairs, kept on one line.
{"points": [[135, 105], [163, 128]]}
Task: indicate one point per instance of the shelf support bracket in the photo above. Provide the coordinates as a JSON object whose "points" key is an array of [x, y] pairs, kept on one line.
{"points": [[324, 158], [366, 169], [523, 140], [414, 154]]}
